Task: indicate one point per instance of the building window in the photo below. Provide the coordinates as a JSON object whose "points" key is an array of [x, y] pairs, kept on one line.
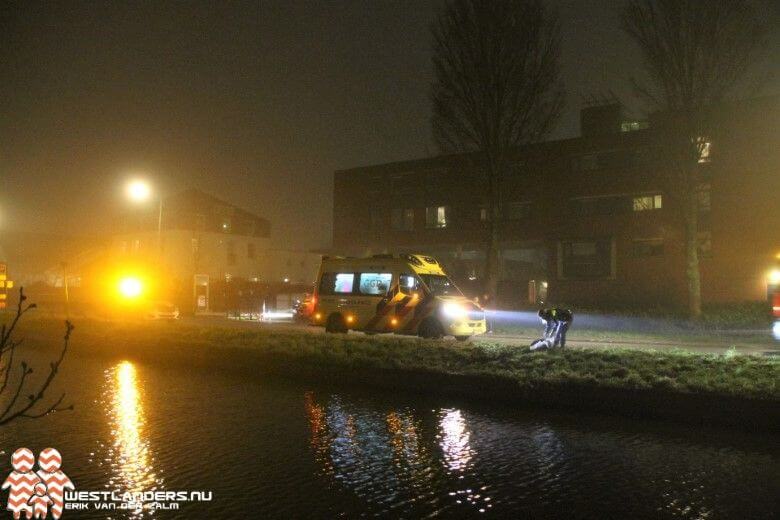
{"points": [[437, 216], [251, 251], [607, 205], [375, 219], [225, 225], [518, 210], [633, 126], [123, 247], [648, 202], [136, 245], [195, 246], [231, 253], [586, 259], [703, 197], [703, 149], [587, 162], [644, 247], [200, 221], [402, 219]]}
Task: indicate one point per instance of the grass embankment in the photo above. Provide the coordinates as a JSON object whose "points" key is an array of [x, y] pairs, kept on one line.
{"points": [[673, 384]]}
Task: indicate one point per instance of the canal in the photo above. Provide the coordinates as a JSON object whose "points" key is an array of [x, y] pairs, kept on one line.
{"points": [[275, 448]]}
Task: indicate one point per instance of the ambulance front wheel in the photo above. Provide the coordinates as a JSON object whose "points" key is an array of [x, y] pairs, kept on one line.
{"points": [[430, 329], [336, 324], [462, 338]]}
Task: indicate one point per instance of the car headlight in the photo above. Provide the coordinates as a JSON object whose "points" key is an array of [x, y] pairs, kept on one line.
{"points": [[454, 310]]}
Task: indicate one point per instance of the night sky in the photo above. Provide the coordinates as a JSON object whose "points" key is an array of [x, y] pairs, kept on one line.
{"points": [[257, 103]]}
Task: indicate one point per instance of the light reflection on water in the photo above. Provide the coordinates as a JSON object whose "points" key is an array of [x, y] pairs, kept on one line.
{"points": [[325, 452], [448, 461], [129, 457], [454, 440]]}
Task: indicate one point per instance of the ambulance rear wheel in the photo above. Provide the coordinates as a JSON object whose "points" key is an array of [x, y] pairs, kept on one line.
{"points": [[336, 324], [430, 329]]}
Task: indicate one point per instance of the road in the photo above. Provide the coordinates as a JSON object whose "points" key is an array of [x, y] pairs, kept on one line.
{"points": [[759, 343]]}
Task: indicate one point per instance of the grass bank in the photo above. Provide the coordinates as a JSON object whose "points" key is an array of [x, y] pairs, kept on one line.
{"points": [[677, 385]]}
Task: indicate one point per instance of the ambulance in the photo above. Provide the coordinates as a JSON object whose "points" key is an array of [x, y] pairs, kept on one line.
{"points": [[403, 293]]}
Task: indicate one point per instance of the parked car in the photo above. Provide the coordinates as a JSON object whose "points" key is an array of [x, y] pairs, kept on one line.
{"points": [[162, 311]]}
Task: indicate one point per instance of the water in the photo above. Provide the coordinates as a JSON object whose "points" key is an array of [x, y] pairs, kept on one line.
{"points": [[270, 448]]}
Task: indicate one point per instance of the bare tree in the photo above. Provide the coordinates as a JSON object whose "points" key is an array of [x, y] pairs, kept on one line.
{"points": [[13, 404], [497, 87], [695, 54]]}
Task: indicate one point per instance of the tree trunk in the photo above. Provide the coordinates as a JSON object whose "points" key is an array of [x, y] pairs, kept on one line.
{"points": [[692, 273], [492, 260], [492, 255]]}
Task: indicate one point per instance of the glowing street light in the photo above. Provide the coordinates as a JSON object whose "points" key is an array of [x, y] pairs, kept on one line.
{"points": [[139, 190], [130, 287]]}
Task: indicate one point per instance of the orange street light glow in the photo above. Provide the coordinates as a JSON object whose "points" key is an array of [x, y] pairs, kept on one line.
{"points": [[130, 287], [139, 190]]}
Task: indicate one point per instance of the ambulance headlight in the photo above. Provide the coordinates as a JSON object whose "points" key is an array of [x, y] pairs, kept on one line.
{"points": [[774, 276], [454, 311]]}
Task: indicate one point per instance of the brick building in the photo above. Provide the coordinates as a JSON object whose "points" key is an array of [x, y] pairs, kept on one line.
{"points": [[590, 220]]}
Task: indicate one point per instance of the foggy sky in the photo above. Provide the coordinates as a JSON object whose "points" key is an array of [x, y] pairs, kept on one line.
{"points": [[256, 103]]}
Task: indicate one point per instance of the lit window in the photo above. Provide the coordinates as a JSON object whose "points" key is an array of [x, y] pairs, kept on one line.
{"points": [[343, 283], [704, 147], [375, 283], [633, 126], [648, 202], [225, 225], [437, 216], [408, 283], [195, 246], [484, 215]]}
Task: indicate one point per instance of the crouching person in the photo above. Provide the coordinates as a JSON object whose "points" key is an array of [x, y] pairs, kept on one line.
{"points": [[556, 323]]}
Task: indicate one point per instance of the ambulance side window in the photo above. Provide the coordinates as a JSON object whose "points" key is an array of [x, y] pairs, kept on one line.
{"points": [[408, 283], [375, 283], [337, 283]]}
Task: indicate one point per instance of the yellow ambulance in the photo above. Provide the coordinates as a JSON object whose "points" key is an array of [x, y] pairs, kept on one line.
{"points": [[405, 294]]}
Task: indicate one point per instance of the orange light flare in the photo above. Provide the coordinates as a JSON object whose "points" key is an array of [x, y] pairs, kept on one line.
{"points": [[394, 322], [350, 319]]}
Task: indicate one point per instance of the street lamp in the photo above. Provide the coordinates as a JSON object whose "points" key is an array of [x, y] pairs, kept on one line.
{"points": [[138, 190]]}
